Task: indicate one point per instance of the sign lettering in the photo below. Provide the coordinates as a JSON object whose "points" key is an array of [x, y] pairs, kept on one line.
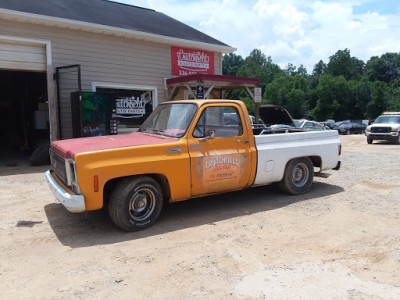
{"points": [[191, 61]]}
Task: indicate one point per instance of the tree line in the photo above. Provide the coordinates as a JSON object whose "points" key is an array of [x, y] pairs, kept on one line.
{"points": [[343, 88]]}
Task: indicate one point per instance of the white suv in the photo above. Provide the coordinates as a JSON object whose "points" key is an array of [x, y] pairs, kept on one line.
{"points": [[386, 127]]}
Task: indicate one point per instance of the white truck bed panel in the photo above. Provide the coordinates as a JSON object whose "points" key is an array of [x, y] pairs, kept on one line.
{"points": [[275, 150]]}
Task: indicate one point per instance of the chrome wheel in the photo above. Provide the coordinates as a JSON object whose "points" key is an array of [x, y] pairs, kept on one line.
{"points": [[142, 204], [300, 175]]}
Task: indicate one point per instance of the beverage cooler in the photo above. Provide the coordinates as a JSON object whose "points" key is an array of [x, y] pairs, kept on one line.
{"points": [[106, 113]]}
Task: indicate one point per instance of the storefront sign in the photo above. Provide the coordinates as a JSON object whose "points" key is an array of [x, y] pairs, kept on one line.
{"points": [[130, 106], [190, 61]]}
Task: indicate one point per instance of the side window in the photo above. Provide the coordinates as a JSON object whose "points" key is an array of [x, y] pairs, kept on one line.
{"points": [[223, 121]]}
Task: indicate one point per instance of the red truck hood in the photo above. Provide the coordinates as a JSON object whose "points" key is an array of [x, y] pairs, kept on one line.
{"points": [[69, 148]]}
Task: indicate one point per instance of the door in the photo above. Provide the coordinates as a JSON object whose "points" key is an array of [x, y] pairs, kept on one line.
{"points": [[68, 81], [219, 151]]}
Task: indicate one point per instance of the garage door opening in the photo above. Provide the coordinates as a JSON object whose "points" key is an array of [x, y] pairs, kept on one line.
{"points": [[24, 115]]}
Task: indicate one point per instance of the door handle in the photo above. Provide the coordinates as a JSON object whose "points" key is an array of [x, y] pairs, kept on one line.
{"points": [[244, 141]]}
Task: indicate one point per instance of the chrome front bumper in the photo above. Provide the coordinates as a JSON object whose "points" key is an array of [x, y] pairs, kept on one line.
{"points": [[73, 203]]}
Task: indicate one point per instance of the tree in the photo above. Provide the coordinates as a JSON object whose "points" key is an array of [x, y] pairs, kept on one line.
{"points": [[231, 64], [342, 64], [319, 69], [378, 101], [336, 98], [290, 92], [385, 68], [257, 65]]}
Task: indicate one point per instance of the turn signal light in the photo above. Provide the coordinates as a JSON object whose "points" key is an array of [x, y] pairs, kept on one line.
{"points": [[96, 183]]}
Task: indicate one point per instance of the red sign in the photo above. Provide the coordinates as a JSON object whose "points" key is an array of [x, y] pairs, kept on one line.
{"points": [[190, 61]]}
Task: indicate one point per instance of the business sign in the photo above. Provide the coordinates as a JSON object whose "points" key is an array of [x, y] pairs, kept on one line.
{"points": [[191, 61], [130, 106], [257, 94]]}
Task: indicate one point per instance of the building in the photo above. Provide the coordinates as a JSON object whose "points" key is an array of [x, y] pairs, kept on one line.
{"points": [[52, 49]]}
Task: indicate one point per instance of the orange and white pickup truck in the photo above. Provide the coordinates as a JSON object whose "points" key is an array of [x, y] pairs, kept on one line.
{"points": [[187, 149]]}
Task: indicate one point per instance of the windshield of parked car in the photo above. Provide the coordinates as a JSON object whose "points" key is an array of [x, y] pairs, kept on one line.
{"points": [[297, 123], [172, 119], [388, 119]]}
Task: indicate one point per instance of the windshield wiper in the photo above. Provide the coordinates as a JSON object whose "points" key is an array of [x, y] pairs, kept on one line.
{"points": [[154, 131]]}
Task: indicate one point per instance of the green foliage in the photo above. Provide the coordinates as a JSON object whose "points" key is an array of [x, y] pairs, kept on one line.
{"points": [[257, 65], [385, 68], [342, 64], [290, 92], [231, 64], [345, 88]]}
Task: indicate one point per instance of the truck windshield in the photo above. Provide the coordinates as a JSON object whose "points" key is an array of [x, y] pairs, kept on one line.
{"points": [[172, 119], [388, 119]]}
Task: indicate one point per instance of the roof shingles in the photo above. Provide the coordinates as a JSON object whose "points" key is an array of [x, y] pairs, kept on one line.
{"points": [[112, 14]]}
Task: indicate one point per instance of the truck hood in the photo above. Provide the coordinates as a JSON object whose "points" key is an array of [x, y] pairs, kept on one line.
{"points": [[275, 114], [69, 148], [393, 125]]}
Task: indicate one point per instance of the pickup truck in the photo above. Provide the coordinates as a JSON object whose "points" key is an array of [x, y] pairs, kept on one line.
{"points": [[186, 149], [385, 128]]}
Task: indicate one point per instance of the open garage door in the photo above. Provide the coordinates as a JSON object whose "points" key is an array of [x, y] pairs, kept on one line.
{"points": [[22, 56], [24, 114]]}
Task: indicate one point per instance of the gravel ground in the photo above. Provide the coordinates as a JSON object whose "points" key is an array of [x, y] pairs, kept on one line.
{"points": [[341, 240]]}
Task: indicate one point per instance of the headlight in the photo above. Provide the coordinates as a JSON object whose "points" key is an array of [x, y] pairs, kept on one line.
{"points": [[70, 171]]}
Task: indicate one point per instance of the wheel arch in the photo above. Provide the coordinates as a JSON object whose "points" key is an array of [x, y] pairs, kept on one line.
{"points": [[160, 178]]}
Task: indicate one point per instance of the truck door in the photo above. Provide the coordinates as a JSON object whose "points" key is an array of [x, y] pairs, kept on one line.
{"points": [[219, 150]]}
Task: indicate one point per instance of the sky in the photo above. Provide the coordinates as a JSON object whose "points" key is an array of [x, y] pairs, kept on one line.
{"points": [[301, 32]]}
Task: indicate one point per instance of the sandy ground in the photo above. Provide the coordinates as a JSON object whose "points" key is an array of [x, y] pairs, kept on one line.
{"points": [[339, 241]]}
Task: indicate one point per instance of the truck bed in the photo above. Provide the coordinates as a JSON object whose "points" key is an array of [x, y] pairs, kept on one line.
{"points": [[275, 150]]}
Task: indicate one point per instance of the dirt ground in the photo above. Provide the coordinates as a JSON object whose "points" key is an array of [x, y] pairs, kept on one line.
{"points": [[339, 241]]}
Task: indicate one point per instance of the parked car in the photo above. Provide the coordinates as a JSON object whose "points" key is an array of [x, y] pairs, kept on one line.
{"points": [[328, 125], [349, 127], [309, 125]]}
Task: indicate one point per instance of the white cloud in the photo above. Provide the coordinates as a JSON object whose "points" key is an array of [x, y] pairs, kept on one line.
{"points": [[292, 31]]}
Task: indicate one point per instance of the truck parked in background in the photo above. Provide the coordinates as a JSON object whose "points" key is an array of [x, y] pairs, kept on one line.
{"points": [[385, 128]]}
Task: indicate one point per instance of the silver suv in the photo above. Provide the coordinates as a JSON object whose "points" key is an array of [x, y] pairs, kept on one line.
{"points": [[386, 127]]}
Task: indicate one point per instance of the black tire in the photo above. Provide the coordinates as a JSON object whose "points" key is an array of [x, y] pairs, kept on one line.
{"points": [[298, 177], [135, 203], [369, 141]]}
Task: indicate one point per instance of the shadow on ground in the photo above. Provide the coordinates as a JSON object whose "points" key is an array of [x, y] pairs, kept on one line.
{"points": [[95, 228]]}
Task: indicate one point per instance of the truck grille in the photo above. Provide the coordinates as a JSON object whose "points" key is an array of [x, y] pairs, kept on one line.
{"points": [[381, 129], [58, 166]]}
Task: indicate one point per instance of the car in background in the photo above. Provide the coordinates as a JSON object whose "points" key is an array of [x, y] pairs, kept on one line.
{"points": [[350, 127], [308, 125], [386, 127], [328, 125]]}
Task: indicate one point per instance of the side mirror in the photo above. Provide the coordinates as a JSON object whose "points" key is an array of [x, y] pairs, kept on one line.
{"points": [[210, 135]]}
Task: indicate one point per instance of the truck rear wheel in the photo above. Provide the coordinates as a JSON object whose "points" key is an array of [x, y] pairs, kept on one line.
{"points": [[298, 177], [135, 203]]}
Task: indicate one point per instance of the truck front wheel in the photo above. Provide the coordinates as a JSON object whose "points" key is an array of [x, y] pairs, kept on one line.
{"points": [[298, 177], [369, 140], [135, 203]]}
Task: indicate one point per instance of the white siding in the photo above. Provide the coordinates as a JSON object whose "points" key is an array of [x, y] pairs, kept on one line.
{"points": [[103, 58]]}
